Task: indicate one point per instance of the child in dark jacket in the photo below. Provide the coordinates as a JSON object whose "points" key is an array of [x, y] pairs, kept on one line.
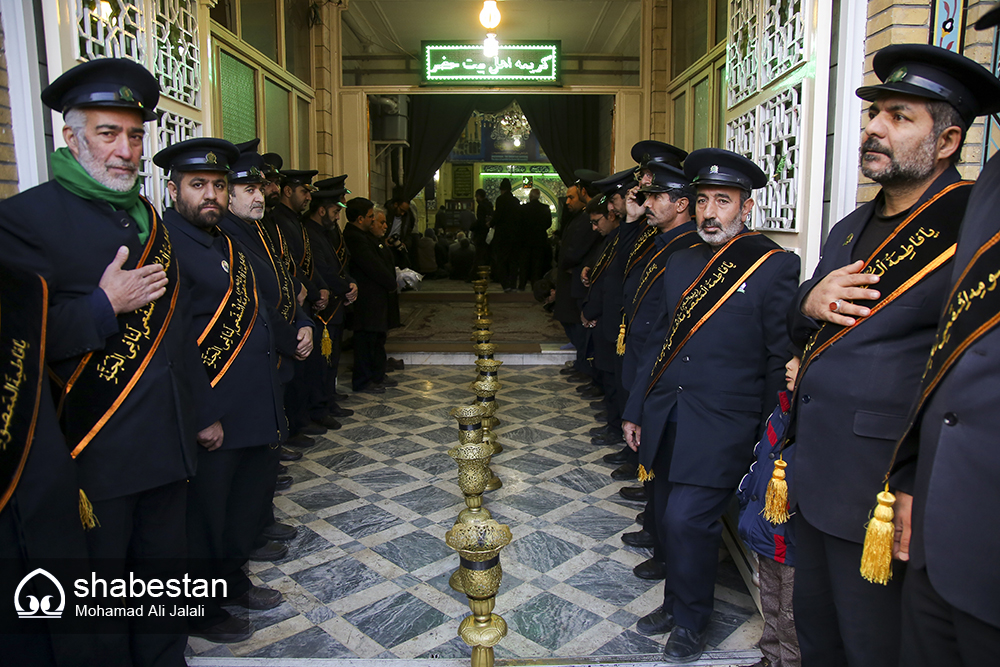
{"points": [[775, 545]]}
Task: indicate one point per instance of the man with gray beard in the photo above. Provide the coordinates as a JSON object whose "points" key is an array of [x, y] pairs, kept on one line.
{"points": [[866, 321]]}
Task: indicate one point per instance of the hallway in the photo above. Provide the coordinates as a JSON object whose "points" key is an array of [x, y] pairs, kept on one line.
{"points": [[367, 577]]}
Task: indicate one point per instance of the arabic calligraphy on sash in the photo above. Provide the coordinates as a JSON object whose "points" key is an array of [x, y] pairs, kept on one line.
{"points": [[229, 328]]}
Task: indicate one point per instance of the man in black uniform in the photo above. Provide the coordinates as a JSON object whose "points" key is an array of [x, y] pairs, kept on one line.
{"points": [[235, 334], [138, 403], [866, 320], [324, 213], [292, 326], [536, 259], [699, 396], [376, 280], [947, 461], [481, 229]]}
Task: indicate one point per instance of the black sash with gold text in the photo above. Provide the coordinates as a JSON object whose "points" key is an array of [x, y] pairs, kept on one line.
{"points": [[307, 264], [919, 246], [103, 379], [223, 338], [643, 245], [23, 312], [286, 290], [657, 264], [604, 261], [728, 269]]}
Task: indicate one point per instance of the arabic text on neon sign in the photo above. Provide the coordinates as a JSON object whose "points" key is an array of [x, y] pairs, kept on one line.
{"points": [[537, 63]]}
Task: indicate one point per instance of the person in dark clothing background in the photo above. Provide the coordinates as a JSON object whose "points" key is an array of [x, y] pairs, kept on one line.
{"points": [[507, 238], [484, 217], [536, 220]]}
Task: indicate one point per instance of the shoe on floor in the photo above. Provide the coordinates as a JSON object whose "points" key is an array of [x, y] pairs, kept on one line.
{"points": [[339, 412], [271, 551], [650, 570], [568, 370], [311, 428], [284, 482], [640, 539], [388, 382], [640, 518], [592, 392], [626, 472], [656, 622], [600, 430], [280, 531], [229, 631], [337, 396], [618, 457], [288, 455], [257, 598], [371, 388], [598, 405], [601, 416], [580, 378], [395, 364], [300, 441], [636, 494], [328, 421], [684, 645], [608, 439]]}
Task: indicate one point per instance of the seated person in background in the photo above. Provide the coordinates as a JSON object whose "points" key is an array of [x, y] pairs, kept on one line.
{"points": [[462, 258], [426, 263]]}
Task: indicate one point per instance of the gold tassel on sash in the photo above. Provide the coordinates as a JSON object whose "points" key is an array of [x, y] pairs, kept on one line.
{"points": [[876, 555], [776, 499], [621, 338], [644, 475], [87, 517], [326, 345]]}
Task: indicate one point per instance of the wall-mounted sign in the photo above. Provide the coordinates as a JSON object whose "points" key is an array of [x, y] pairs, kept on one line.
{"points": [[518, 64]]}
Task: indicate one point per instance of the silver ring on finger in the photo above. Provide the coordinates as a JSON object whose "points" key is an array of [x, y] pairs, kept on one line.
{"points": [[835, 306]]}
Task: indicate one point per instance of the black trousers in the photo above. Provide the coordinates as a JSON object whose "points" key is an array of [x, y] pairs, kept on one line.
{"points": [[612, 397], [225, 502], [297, 396], [936, 633], [369, 358], [690, 535], [509, 265], [328, 371], [840, 618], [533, 263], [139, 527]]}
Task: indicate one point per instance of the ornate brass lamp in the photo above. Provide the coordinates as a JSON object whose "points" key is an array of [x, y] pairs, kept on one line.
{"points": [[486, 391], [481, 336], [488, 368], [473, 458], [482, 301], [483, 272], [478, 546], [482, 324]]}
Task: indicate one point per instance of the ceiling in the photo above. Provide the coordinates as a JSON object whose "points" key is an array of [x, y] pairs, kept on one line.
{"points": [[583, 26]]}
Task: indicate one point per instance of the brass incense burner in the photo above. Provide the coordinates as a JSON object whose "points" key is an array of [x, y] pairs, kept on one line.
{"points": [[481, 337], [488, 368]]}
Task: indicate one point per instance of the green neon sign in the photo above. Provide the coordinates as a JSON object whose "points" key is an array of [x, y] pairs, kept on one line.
{"points": [[463, 63]]}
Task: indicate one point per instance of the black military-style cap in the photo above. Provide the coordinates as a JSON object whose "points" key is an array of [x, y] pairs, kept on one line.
{"points": [[334, 183], [105, 82], [621, 183], [587, 176], [249, 168], [666, 177], [989, 19], [330, 196], [647, 150], [274, 164], [201, 154], [937, 74], [715, 166], [249, 146], [298, 177]]}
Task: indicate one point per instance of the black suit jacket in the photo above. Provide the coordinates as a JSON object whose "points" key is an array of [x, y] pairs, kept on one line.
{"points": [[249, 395], [536, 219], [329, 267], [290, 226], [723, 381], [506, 221], [375, 277], [952, 466], [69, 241], [854, 399], [578, 240]]}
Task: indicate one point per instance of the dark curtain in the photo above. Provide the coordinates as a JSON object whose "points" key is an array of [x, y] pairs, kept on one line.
{"points": [[436, 123], [567, 127]]}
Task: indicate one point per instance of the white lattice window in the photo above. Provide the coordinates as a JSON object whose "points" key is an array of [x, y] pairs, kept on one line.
{"points": [[783, 37], [741, 134], [171, 129], [110, 29], [778, 154], [741, 52], [177, 56]]}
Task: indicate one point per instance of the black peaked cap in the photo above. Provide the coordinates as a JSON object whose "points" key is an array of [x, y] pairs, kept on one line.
{"points": [[666, 177], [716, 166], [621, 183], [201, 154], [105, 82], [647, 150]]}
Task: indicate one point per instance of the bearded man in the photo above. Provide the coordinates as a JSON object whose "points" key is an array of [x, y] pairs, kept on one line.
{"points": [[866, 321], [715, 353], [134, 399]]}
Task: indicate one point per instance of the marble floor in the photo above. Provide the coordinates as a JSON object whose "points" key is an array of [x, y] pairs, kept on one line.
{"points": [[367, 576]]}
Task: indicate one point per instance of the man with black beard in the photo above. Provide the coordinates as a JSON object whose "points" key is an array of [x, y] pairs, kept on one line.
{"points": [[230, 493], [698, 398], [867, 320]]}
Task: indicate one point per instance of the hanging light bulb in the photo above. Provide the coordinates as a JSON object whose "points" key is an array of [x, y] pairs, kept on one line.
{"points": [[490, 16], [491, 47], [517, 142]]}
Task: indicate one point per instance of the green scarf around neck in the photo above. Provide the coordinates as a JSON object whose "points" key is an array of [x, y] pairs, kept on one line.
{"points": [[71, 175]]}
